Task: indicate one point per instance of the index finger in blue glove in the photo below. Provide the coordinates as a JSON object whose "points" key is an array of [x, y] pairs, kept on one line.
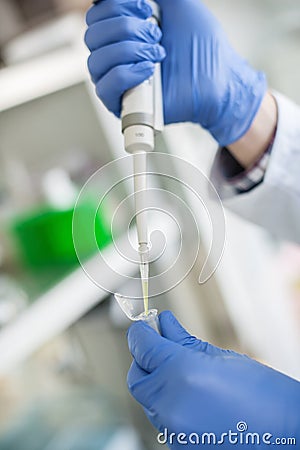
{"points": [[120, 29], [118, 80], [174, 331], [115, 8], [140, 385], [103, 60], [148, 348]]}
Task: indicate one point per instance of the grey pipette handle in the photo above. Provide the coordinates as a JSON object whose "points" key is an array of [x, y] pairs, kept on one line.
{"points": [[142, 108]]}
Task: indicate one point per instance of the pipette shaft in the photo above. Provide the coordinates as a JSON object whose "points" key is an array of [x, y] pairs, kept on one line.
{"points": [[142, 116]]}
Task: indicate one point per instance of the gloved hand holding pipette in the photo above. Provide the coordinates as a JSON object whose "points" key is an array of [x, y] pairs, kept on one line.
{"points": [[189, 386], [204, 80]]}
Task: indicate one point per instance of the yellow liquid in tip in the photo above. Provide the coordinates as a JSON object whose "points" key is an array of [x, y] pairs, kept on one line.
{"points": [[145, 287]]}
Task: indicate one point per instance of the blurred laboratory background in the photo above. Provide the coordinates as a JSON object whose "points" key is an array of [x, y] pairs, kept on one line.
{"points": [[63, 350]]}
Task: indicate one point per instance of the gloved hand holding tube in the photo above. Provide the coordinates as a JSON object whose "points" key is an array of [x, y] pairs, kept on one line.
{"points": [[189, 386], [204, 80]]}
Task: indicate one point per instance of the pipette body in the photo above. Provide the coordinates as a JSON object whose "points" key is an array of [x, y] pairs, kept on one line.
{"points": [[142, 117]]}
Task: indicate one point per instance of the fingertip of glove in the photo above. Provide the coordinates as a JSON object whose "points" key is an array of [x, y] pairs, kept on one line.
{"points": [[154, 31], [143, 66], [145, 7], [166, 315], [160, 52], [139, 333], [89, 13], [88, 39], [170, 327]]}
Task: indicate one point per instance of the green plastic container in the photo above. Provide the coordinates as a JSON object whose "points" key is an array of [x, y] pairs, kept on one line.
{"points": [[45, 238]]}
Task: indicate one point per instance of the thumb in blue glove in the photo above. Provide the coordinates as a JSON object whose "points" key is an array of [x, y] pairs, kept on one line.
{"points": [[189, 387]]}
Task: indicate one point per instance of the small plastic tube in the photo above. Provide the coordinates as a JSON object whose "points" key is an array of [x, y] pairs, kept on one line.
{"points": [[133, 307], [151, 319]]}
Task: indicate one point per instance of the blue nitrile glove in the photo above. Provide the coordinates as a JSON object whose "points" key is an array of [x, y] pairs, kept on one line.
{"points": [[189, 386], [204, 80]]}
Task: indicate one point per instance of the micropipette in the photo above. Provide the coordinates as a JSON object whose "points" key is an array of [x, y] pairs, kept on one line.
{"points": [[142, 117]]}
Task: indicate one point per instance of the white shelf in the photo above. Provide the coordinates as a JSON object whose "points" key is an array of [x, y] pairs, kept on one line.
{"points": [[47, 74], [58, 308]]}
